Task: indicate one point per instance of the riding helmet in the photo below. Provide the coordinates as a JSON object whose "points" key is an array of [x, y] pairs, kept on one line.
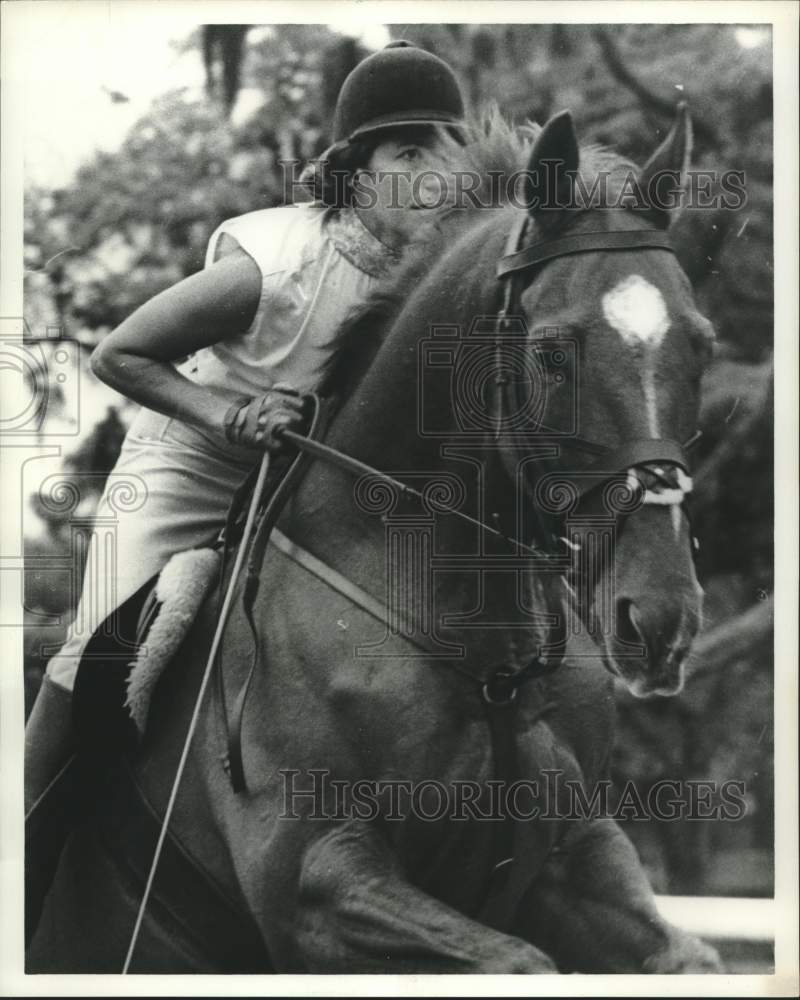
{"points": [[400, 85]]}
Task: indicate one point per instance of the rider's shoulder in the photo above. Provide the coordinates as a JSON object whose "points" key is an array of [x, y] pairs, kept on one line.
{"points": [[273, 220], [273, 234]]}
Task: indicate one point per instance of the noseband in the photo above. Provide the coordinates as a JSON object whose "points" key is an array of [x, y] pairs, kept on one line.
{"points": [[517, 268]]}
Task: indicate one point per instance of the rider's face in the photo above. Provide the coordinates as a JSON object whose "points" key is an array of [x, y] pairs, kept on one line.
{"points": [[408, 182]]}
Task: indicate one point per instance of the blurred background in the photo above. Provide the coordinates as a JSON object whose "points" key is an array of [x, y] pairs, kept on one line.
{"points": [[152, 141]]}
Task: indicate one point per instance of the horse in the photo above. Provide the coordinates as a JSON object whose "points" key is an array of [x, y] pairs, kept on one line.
{"points": [[434, 666]]}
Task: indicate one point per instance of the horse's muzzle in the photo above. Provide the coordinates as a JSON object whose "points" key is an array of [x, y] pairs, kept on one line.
{"points": [[650, 643]]}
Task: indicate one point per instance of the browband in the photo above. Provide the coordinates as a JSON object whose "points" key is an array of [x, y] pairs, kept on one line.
{"points": [[562, 246]]}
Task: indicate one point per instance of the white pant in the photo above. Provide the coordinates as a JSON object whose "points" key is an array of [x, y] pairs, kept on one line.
{"points": [[169, 491]]}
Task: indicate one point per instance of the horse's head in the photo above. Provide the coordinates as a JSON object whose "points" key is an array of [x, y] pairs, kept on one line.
{"points": [[621, 348], [587, 392]]}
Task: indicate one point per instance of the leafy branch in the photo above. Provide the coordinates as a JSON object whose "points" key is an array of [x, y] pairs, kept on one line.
{"points": [[651, 98]]}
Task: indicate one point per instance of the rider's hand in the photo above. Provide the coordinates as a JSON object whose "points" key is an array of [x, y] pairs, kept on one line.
{"points": [[253, 422]]}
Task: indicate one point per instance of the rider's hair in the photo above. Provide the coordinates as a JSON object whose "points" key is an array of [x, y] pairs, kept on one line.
{"points": [[330, 180]]}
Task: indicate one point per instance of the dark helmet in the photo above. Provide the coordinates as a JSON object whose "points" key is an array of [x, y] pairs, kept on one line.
{"points": [[400, 85]]}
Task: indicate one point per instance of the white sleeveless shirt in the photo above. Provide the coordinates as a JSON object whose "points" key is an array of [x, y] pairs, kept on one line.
{"points": [[316, 266]]}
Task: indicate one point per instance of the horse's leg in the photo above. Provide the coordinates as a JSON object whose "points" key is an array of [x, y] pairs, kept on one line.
{"points": [[357, 913], [593, 910]]}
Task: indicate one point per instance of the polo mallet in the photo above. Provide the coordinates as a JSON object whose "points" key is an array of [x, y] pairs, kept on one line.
{"points": [[212, 656]]}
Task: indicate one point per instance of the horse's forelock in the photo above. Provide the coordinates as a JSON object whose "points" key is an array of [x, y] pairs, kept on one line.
{"points": [[597, 163], [500, 148]]}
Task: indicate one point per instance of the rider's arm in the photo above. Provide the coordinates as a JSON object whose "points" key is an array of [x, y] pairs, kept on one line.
{"points": [[136, 358]]}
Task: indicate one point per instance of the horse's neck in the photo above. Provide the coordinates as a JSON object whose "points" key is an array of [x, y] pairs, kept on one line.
{"points": [[386, 423], [375, 536]]}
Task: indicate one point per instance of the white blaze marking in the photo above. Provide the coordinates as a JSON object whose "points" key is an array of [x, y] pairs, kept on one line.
{"points": [[637, 311]]}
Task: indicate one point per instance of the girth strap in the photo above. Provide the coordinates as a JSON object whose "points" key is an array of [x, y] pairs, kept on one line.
{"points": [[563, 246]]}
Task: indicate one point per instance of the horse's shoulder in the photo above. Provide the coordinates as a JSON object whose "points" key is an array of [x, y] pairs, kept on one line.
{"points": [[581, 693]]}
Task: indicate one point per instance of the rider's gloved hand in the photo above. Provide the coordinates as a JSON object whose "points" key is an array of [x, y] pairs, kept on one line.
{"points": [[253, 421]]}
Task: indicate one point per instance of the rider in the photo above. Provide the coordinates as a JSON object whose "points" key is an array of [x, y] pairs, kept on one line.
{"points": [[259, 325]]}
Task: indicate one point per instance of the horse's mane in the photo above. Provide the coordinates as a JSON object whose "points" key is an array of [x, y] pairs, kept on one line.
{"points": [[497, 149]]}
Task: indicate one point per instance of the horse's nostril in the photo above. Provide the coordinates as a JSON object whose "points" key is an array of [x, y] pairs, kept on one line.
{"points": [[627, 628]]}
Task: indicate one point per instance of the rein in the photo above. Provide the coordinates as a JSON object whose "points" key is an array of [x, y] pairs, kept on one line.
{"points": [[352, 465]]}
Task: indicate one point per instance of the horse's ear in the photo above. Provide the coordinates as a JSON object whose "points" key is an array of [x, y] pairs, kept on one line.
{"points": [[665, 174], [552, 167]]}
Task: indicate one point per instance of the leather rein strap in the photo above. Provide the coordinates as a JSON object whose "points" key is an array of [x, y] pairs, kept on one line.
{"points": [[266, 519]]}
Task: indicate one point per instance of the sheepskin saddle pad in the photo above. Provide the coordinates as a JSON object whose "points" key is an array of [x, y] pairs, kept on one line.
{"points": [[179, 593]]}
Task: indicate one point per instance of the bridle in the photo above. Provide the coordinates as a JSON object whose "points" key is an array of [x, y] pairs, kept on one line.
{"points": [[628, 461]]}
